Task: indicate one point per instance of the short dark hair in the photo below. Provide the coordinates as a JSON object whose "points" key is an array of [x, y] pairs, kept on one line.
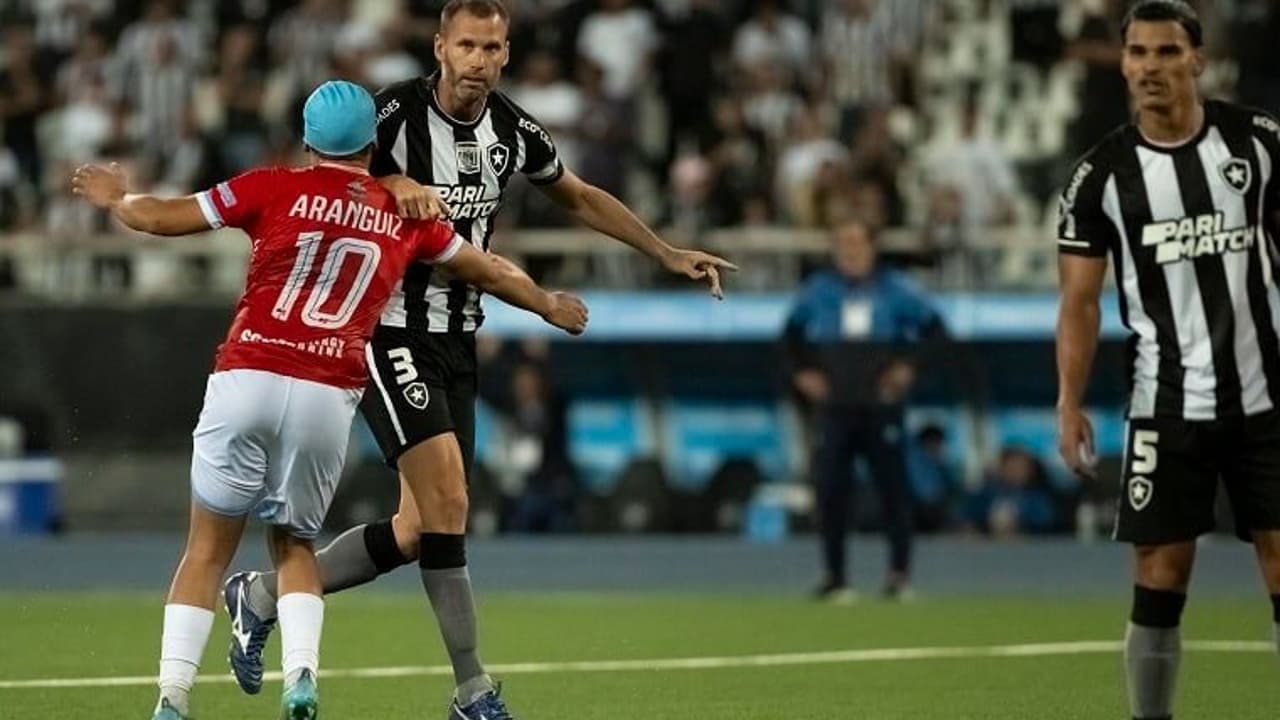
{"points": [[476, 8], [844, 220], [1160, 10]]}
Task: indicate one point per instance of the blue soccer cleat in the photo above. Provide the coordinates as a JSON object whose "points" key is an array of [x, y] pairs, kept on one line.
{"points": [[167, 712], [488, 706], [300, 700], [249, 633]]}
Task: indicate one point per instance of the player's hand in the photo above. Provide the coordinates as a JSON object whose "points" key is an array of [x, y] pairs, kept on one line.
{"points": [[567, 312], [102, 185], [1075, 442], [697, 265], [813, 385], [413, 199]]}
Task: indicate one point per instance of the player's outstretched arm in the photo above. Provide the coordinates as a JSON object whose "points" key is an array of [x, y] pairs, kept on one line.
{"points": [[603, 212], [105, 186], [1079, 316], [503, 279]]}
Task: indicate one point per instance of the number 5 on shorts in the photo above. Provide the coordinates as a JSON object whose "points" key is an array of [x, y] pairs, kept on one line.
{"points": [[1144, 452]]}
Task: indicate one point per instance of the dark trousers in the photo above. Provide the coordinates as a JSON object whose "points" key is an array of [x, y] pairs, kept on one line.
{"points": [[876, 434]]}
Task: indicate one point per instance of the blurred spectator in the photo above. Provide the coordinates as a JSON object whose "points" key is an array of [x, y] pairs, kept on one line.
{"points": [[976, 171], [933, 484], [375, 58], [543, 485], [771, 102], [774, 37], [876, 159], [24, 95], [1104, 99], [59, 25], [741, 161], [559, 104], [972, 187], [621, 39], [856, 45], [84, 129], [1253, 37], [544, 92], [692, 210], [808, 166], [605, 132], [1015, 498], [8, 202], [303, 40], [858, 393], [1033, 28], [691, 58], [157, 61], [240, 134]]}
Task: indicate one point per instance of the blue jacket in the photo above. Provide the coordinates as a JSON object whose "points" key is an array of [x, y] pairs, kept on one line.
{"points": [[885, 307]]}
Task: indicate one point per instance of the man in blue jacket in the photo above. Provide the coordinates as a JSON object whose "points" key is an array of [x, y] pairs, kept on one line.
{"points": [[844, 338]]}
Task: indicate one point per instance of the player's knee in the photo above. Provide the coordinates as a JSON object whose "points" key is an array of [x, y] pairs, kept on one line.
{"points": [[1164, 568], [207, 553], [448, 499]]}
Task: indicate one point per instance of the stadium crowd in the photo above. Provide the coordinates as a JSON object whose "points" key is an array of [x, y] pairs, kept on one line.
{"points": [[702, 113]]}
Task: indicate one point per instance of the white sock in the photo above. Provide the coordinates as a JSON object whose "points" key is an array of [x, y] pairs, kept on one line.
{"points": [[186, 630], [301, 619]]}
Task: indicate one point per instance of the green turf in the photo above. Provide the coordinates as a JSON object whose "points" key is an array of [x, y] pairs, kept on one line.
{"points": [[52, 636]]}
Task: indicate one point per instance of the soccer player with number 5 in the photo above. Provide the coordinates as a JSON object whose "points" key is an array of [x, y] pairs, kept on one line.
{"points": [[1185, 200], [328, 250]]}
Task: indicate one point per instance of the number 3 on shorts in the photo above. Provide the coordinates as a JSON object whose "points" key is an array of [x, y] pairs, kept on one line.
{"points": [[1144, 452]]}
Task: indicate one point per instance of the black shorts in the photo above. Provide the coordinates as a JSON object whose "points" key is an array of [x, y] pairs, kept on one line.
{"points": [[1171, 471], [421, 385]]}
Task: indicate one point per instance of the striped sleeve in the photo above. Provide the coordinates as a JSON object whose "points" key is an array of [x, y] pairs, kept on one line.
{"points": [[236, 202], [1083, 226], [437, 241], [541, 160]]}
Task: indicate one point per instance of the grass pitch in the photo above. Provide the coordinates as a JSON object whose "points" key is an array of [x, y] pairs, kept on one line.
{"points": [[766, 658]]}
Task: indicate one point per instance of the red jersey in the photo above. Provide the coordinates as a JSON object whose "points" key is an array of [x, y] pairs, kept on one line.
{"points": [[328, 249]]}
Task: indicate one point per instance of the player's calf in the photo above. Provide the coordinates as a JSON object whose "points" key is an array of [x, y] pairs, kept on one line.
{"points": [[1153, 651]]}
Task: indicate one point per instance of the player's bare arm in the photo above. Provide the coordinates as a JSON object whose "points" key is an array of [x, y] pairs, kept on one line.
{"points": [[603, 212], [106, 187], [413, 199], [1079, 315], [505, 280]]}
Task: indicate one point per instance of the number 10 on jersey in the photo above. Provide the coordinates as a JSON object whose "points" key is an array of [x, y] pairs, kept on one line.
{"points": [[335, 257]]}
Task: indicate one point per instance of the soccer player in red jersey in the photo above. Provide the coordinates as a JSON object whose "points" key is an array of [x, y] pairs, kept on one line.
{"points": [[328, 249]]}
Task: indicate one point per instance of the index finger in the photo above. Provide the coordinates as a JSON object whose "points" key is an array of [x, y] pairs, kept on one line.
{"points": [[717, 261], [713, 275]]}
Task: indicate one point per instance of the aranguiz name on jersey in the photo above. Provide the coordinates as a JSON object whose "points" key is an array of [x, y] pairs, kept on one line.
{"points": [[1193, 237], [466, 202]]}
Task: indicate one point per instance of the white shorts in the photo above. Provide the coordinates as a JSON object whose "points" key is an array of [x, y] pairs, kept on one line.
{"points": [[271, 444]]}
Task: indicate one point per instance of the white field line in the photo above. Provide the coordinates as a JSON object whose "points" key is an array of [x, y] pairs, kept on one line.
{"points": [[1092, 647]]}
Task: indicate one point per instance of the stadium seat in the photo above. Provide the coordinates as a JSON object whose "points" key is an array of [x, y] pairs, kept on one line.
{"points": [[605, 434], [700, 435]]}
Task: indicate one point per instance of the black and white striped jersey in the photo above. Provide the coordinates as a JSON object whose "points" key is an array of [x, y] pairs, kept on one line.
{"points": [[1191, 230], [469, 164]]}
